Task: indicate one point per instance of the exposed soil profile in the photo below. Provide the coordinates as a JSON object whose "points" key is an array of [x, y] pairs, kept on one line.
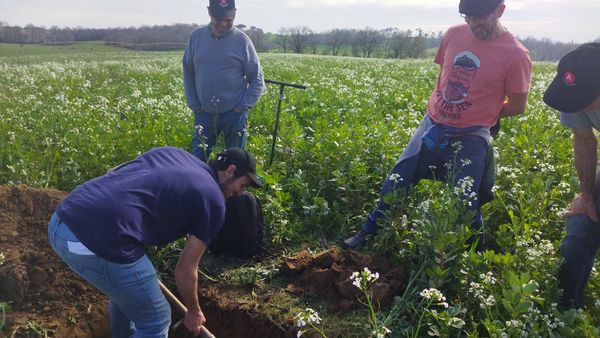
{"points": [[44, 294]]}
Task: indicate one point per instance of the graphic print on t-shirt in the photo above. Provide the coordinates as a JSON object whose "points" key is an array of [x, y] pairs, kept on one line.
{"points": [[452, 100]]}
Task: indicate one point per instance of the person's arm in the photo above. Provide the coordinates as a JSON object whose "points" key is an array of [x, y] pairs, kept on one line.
{"points": [[186, 279], [189, 79], [254, 78], [514, 104], [585, 146]]}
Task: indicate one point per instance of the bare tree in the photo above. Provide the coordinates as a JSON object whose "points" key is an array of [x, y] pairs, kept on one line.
{"points": [[419, 44], [258, 38], [283, 38], [336, 38], [401, 44], [299, 37], [313, 40], [367, 41]]}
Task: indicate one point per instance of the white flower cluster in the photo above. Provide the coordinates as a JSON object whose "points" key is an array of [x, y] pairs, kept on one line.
{"points": [[306, 317], [457, 146], [434, 295], [2, 258], [545, 247], [464, 190], [395, 178], [365, 276], [477, 290], [514, 324], [381, 332], [488, 278], [489, 301]]}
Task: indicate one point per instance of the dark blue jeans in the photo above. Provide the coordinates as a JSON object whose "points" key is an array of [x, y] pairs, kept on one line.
{"points": [[411, 170], [578, 248], [208, 127]]}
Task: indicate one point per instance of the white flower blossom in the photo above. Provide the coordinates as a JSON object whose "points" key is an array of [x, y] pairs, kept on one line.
{"points": [[433, 294], [395, 178]]}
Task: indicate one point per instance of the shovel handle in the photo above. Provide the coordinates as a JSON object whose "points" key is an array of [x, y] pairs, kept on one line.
{"points": [[204, 333]]}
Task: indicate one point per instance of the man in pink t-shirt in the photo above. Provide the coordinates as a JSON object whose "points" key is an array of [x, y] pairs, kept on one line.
{"points": [[485, 75]]}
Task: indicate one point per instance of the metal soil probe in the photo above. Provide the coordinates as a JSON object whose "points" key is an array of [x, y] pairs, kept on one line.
{"points": [[282, 86]]}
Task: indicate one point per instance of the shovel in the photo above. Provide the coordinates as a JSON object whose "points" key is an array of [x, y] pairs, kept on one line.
{"points": [[204, 333]]}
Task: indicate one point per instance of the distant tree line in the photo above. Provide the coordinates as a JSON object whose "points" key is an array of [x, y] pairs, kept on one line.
{"points": [[366, 42]]}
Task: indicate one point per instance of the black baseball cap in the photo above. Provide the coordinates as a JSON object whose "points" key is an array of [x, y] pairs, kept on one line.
{"points": [[222, 9], [577, 81], [243, 160], [477, 7]]}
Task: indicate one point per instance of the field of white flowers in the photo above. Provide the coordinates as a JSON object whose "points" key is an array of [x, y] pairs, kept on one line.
{"points": [[66, 118]]}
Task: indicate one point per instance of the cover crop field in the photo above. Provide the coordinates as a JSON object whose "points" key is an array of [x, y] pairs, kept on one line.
{"points": [[70, 115]]}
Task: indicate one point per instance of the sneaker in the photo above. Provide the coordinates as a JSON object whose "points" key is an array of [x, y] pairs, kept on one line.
{"points": [[356, 241]]}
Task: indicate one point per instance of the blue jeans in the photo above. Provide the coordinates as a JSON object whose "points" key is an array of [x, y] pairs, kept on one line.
{"points": [[578, 248], [413, 169], [136, 306], [208, 126]]}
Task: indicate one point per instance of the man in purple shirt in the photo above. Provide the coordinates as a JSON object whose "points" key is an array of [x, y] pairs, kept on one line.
{"points": [[101, 228]]}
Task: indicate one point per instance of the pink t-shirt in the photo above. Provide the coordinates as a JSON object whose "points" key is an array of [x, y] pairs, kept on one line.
{"points": [[475, 77]]}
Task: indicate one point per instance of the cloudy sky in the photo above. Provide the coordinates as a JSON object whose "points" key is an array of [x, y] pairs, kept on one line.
{"points": [[559, 20]]}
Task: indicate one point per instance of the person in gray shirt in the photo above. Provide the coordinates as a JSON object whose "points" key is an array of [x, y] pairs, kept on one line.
{"points": [[575, 92], [222, 78]]}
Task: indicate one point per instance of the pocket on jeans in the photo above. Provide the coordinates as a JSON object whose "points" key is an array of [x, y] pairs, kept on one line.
{"points": [[94, 276], [90, 268]]}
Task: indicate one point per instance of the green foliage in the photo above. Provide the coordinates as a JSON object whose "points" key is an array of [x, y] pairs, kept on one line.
{"points": [[249, 276], [33, 329], [66, 118], [4, 306]]}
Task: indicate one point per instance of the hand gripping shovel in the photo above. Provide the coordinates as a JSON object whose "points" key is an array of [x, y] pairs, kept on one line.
{"points": [[204, 333]]}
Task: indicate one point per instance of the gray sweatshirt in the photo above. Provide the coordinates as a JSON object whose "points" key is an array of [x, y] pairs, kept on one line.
{"points": [[221, 74]]}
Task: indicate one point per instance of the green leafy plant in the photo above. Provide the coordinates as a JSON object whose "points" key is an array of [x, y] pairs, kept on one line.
{"points": [[33, 328], [363, 281], [4, 307]]}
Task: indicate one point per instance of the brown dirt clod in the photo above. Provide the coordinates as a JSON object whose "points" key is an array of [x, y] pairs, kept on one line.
{"points": [[327, 274]]}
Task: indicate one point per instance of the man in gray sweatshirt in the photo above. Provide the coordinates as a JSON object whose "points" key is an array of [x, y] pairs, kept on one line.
{"points": [[222, 78]]}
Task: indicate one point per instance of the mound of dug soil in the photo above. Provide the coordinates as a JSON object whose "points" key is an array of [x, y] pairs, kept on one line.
{"points": [[328, 274], [45, 297]]}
